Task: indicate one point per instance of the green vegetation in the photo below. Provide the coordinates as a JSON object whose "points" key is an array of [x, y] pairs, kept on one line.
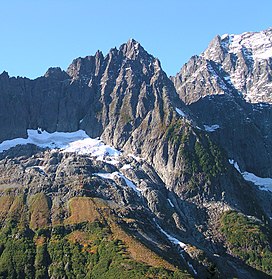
{"points": [[175, 131], [199, 153], [125, 118], [208, 158], [86, 248], [17, 253], [201, 257], [248, 239]]}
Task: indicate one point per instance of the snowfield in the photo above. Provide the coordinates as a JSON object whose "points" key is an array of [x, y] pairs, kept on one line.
{"points": [[211, 128], [78, 142], [263, 183]]}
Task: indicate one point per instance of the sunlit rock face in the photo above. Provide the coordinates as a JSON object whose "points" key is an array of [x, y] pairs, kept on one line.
{"points": [[232, 64]]}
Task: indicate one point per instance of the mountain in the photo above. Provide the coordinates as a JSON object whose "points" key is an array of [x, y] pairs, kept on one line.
{"points": [[240, 63], [112, 168], [232, 79]]}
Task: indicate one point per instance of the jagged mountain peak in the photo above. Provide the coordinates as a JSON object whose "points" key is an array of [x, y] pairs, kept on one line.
{"points": [[132, 43], [258, 43], [85, 67], [241, 64], [115, 93], [132, 49], [255, 44], [89, 66]]}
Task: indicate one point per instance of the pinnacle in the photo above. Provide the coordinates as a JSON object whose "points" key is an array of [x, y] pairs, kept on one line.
{"points": [[132, 49]]}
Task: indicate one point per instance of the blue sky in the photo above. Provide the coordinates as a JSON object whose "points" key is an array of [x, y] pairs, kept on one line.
{"points": [[38, 34]]}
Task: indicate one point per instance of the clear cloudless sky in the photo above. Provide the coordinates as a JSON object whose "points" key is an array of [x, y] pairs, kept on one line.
{"points": [[38, 34]]}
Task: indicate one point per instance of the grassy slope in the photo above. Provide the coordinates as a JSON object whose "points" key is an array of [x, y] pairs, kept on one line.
{"points": [[87, 244], [248, 239]]}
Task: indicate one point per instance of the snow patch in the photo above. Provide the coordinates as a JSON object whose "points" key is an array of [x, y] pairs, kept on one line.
{"points": [[107, 175], [137, 158], [78, 142], [192, 268], [235, 164], [259, 44], [131, 184], [115, 174], [93, 147], [224, 36], [40, 169], [180, 112], [171, 204], [171, 238], [126, 167], [44, 139], [211, 128], [264, 184], [177, 242]]}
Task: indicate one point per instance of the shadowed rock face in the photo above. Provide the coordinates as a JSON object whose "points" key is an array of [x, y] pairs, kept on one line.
{"points": [[109, 95], [183, 171], [225, 85]]}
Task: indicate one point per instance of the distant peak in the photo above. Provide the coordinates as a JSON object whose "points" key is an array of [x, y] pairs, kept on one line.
{"points": [[253, 45]]}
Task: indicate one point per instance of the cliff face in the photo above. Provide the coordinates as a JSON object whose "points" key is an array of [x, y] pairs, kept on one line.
{"points": [[179, 159], [229, 85]]}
